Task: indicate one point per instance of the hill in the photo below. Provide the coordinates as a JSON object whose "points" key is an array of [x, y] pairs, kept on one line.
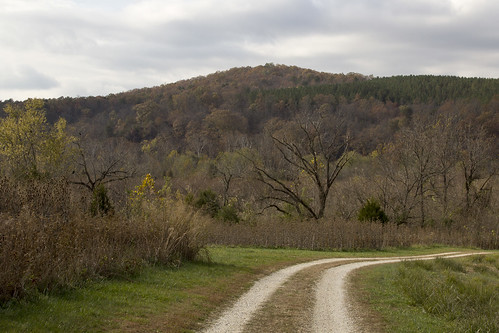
{"points": [[242, 101]]}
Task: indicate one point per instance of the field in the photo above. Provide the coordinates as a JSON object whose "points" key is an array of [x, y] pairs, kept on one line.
{"points": [[150, 210], [445, 295], [163, 298]]}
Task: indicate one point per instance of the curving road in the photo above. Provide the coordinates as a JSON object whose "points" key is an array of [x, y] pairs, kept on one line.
{"points": [[331, 312]]}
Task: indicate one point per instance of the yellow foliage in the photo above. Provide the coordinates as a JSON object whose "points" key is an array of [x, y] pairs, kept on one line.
{"points": [[30, 146], [146, 188]]}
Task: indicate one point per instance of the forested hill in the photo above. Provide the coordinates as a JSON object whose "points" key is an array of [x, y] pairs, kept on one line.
{"points": [[201, 113], [407, 89]]}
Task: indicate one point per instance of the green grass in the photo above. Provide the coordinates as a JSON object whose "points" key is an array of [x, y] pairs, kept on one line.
{"points": [[107, 305], [162, 298], [443, 295]]}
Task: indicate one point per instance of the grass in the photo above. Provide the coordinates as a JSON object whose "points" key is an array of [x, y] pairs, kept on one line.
{"points": [[162, 298], [344, 235], [60, 247], [443, 295]]}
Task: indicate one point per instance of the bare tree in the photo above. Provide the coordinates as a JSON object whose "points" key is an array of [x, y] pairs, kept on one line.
{"points": [[418, 156], [408, 167], [446, 141], [476, 161], [396, 184], [231, 166], [98, 165], [314, 150]]}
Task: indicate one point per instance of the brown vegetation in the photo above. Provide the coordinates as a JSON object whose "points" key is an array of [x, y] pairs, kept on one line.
{"points": [[341, 234], [419, 151], [47, 243]]}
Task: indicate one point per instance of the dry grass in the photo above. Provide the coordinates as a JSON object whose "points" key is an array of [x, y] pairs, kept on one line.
{"points": [[339, 234], [45, 243], [464, 291]]}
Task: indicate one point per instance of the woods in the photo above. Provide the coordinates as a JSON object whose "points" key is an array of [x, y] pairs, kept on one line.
{"points": [[280, 137], [269, 156], [277, 136]]}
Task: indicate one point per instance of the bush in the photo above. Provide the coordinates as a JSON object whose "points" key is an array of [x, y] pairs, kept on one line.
{"points": [[208, 201], [46, 247], [101, 204], [371, 211], [228, 213]]}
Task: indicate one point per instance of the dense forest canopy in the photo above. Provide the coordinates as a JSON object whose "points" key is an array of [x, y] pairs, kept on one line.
{"points": [[203, 125], [205, 108]]}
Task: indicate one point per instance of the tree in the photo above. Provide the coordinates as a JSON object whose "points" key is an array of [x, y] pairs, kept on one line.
{"points": [[314, 150], [395, 182], [225, 127], [411, 164], [371, 211], [476, 160], [446, 140], [100, 165], [418, 156], [30, 146], [230, 166]]}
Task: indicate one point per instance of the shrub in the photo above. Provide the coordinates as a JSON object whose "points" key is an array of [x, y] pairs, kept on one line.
{"points": [[208, 201], [371, 211], [49, 246], [101, 204], [228, 213]]}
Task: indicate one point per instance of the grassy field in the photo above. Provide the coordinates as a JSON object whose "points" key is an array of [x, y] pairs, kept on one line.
{"points": [[443, 295], [161, 298]]}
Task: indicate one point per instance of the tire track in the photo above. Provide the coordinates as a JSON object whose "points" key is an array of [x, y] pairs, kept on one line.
{"points": [[330, 294], [332, 311]]}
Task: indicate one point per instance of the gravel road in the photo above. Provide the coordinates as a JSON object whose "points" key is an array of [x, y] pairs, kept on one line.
{"points": [[331, 311]]}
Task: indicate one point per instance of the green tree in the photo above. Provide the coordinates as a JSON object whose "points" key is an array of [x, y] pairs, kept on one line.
{"points": [[30, 147], [371, 211], [101, 204]]}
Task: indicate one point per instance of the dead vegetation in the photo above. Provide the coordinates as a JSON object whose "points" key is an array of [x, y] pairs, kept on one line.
{"points": [[46, 242], [342, 234]]}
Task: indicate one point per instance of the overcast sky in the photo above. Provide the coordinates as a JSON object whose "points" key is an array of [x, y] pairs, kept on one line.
{"points": [[53, 48]]}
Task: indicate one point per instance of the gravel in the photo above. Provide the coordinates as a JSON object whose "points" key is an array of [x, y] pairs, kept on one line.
{"points": [[331, 310]]}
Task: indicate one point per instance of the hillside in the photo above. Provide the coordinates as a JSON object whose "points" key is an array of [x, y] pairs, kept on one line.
{"points": [[243, 100], [270, 156]]}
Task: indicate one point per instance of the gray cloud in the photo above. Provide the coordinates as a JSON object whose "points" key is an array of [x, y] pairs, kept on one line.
{"points": [[91, 48], [25, 77]]}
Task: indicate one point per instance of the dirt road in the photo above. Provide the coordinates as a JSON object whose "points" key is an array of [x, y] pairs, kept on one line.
{"points": [[331, 310]]}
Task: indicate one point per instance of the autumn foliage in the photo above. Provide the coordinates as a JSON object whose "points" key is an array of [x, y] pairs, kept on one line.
{"points": [[265, 156]]}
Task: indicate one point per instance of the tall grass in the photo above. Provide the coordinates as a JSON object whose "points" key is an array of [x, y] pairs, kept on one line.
{"points": [[46, 241], [458, 291], [340, 234]]}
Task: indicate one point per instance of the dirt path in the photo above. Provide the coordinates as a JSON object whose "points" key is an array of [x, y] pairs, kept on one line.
{"points": [[331, 311]]}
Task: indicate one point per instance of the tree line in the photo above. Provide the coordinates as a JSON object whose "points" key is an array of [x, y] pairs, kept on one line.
{"points": [[306, 144]]}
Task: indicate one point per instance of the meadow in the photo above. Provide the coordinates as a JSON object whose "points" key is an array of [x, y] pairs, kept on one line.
{"points": [[443, 295], [164, 298]]}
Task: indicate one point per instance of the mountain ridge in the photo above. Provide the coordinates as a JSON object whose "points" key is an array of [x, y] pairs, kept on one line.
{"points": [[245, 99]]}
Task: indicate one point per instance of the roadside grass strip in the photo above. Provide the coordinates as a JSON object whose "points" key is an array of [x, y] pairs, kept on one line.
{"points": [[445, 295]]}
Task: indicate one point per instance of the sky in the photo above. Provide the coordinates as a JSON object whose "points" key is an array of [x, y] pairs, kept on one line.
{"points": [[54, 48]]}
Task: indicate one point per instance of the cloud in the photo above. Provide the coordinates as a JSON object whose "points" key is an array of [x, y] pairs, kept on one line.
{"points": [[25, 77], [99, 47]]}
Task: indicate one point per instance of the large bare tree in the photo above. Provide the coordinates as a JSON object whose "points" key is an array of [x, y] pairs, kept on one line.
{"points": [[96, 165], [313, 149], [477, 164]]}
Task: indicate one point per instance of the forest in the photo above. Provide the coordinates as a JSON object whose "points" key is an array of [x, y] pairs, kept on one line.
{"points": [[273, 155]]}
